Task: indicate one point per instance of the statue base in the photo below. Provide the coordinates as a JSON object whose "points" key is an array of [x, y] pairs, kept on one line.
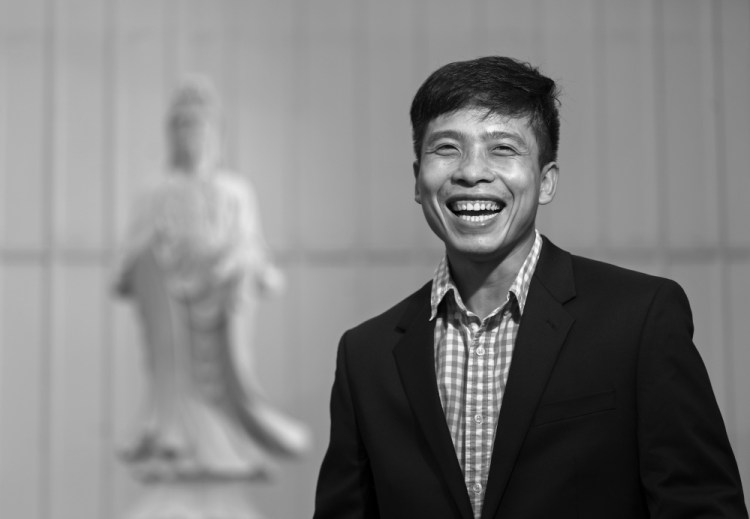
{"points": [[188, 499]]}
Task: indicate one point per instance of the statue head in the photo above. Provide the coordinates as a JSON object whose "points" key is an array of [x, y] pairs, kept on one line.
{"points": [[193, 126]]}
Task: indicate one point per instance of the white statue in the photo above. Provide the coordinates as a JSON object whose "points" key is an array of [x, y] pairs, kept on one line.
{"points": [[194, 263]]}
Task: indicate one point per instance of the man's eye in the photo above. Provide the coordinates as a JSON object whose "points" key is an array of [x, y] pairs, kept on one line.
{"points": [[446, 149], [503, 150]]}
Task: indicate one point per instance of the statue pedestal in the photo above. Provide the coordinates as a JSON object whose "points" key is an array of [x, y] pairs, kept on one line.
{"points": [[194, 499]]}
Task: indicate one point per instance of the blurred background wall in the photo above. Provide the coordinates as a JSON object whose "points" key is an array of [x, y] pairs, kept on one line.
{"points": [[655, 134]]}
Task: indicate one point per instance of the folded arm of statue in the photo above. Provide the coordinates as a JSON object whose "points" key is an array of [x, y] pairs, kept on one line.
{"points": [[245, 259], [138, 237]]}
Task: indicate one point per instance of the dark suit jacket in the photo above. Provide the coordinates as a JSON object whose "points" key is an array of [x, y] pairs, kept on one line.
{"points": [[608, 411]]}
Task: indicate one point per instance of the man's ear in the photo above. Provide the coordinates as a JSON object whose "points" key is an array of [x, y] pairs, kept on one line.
{"points": [[548, 185], [417, 195]]}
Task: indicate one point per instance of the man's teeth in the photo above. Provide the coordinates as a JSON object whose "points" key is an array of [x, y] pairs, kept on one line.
{"points": [[476, 206], [485, 210], [476, 218]]}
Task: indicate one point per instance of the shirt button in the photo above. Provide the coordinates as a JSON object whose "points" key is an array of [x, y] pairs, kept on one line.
{"points": [[478, 418], [480, 351], [477, 488]]}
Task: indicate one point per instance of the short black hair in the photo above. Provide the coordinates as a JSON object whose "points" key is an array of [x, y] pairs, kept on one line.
{"points": [[501, 85]]}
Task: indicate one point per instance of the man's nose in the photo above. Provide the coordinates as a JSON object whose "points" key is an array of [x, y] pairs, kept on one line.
{"points": [[473, 169]]}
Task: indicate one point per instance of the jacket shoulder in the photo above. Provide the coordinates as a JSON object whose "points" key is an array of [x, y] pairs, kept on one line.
{"points": [[390, 319], [567, 275], [593, 272], [611, 287]]}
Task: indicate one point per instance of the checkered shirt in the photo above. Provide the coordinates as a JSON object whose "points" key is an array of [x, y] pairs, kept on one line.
{"points": [[472, 360]]}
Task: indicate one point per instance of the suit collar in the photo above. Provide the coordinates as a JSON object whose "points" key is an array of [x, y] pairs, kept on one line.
{"points": [[555, 271], [415, 307]]}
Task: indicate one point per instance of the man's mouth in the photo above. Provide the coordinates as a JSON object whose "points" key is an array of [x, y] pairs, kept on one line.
{"points": [[476, 210]]}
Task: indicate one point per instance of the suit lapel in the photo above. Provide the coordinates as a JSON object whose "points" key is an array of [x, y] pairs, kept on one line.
{"points": [[544, 326], [415, 359]]}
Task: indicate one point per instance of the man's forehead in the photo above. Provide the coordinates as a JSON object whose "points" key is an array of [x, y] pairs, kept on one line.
{"points": [[482, 121]]}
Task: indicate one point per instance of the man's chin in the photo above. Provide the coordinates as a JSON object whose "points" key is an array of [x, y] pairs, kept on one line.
{"points": [[479, 253], [478, 250]]}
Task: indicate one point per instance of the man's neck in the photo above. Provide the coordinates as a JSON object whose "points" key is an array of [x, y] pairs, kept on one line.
{"points": [[484, 285]]}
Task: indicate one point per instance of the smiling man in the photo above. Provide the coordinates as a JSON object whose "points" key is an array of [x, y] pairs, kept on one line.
{"points": [[521, 381]]}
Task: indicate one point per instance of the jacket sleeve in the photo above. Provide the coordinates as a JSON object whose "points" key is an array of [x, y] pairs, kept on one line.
{"points": [[345, 485], [687, 465]]}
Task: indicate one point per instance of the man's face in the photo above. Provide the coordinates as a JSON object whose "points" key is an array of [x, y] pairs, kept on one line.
{"points": [[480, 183]]}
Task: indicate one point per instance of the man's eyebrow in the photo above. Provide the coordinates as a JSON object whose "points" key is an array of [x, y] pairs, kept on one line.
{"points": [[444, 134], [503, 135], [458, 135]]}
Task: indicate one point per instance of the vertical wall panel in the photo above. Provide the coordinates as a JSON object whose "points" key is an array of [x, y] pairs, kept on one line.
{"points": [[734, 41], [102, 271], [321, 326], [267, 120], [79, 124], [326, 134], [689, 139], [23, 393], [23, 199], [393, 218], [739, 305], [450, 33], [76, 418], [204, 26], [574, 217], [387, 284], [139, 149], [233, 16], [3, 121], [140, 103], [128, 389], [732, 38], [518, 36], [629, 166]]}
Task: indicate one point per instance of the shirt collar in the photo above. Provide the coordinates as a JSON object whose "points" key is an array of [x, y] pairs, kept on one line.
{"points": [[442, 281]]}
